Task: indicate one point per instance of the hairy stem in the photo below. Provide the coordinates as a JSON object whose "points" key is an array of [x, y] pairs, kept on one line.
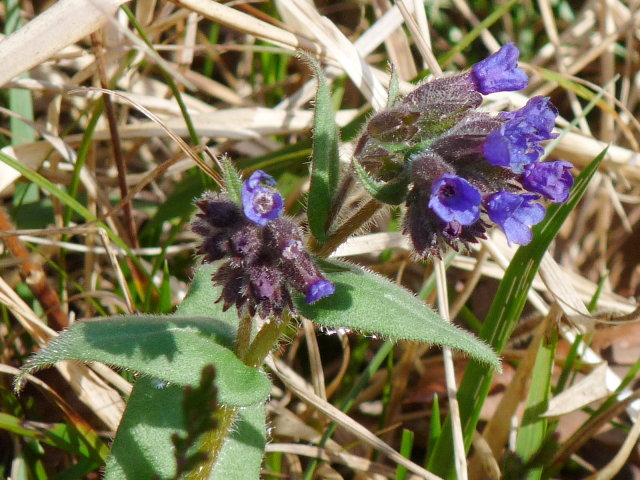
{"points": [[244, 336], [345, 230], [266, 340], [213, 441]]}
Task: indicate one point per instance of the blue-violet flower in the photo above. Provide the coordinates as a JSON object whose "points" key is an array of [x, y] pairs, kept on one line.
{"points": [[515, 214], [499, 72], [458, 168], [260, 201], [550, 179], [517, 142], [319, 289], [455, 199]]}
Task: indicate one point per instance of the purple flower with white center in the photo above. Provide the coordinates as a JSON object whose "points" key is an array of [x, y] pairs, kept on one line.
{"points": [[455, 200], [517, 142], [515, 214], [260, 201], [320, 289], [499, 72], [550, 179]]}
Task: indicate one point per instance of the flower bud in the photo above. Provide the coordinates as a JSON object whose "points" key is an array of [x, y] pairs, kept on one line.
{"points": [[499, 72]]}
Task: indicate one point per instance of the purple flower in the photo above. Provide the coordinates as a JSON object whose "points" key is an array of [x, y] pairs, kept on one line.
{"points": [[455, 199], [499, 72], [550, 179], [320, 289], [515, 214], [265, 255], [261, 202], [296, 264], [517, 142]]}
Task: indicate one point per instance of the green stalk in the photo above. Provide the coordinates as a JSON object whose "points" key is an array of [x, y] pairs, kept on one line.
{"points": [[213, 441]]}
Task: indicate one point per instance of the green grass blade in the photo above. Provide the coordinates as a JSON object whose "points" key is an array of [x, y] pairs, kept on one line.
{"points": [[435, 424], [20, 100], [470, 37], [405, 450], [533, 431]]}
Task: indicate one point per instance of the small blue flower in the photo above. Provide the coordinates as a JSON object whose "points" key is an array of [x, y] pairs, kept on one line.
{"points": [[455, 199], [261, 202], [515, 214], [517, 142], [499, 72], [550, 179], [320, 289]]}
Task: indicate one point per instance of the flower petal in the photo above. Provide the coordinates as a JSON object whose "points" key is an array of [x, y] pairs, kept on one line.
{"points": [[320, 289], [499, 72], [455, 199], [261, 202], [517, 142], [550, 179], [515, 214]]}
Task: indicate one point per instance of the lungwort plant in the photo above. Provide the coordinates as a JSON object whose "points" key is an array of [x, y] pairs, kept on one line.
{"points": [[457, 169]]}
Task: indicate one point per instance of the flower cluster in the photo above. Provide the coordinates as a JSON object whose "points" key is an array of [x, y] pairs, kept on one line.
{"points": [[264, 251], [457, 168]]}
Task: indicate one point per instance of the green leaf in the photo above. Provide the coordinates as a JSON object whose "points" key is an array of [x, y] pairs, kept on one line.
{"points": [[201, 300], [154, 412], [397, 314], [143, 442], [232, 180], [242, 453], [173, 349], [325, 164], [502, 317], [394, 87], [393, 193]]}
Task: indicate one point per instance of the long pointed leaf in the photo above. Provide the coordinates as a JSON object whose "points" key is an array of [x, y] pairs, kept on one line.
{"points": [[368, 302], [172, 349], [325, 163]]}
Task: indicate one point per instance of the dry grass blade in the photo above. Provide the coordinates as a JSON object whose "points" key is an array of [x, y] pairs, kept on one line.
{"points": [[450, 375], [616, 464], [352, 461], [302, 390], [584, 434], [248, 24], [156, 119], [589, 389], [90, 389], [38, 41]]}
